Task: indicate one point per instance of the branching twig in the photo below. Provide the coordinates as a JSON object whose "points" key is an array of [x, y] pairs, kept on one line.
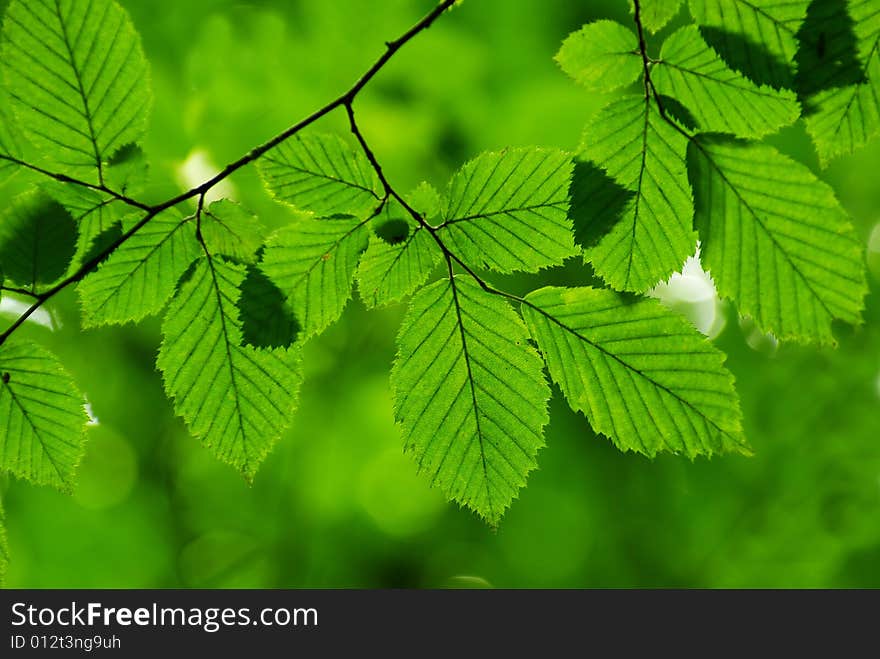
{"points": [[650, 89], [64, 178], [344, 100]]}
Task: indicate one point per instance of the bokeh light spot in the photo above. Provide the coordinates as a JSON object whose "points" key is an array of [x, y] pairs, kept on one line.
{"points": [[692, 293]]}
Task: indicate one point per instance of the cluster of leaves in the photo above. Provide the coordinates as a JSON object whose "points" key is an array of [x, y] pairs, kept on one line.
{"points": [[681, 154], [469, 384]]}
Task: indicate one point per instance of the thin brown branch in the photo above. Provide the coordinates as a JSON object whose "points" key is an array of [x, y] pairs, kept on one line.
{"points": [[344, 100]]}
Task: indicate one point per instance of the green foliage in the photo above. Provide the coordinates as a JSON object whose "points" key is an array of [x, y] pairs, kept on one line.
{"points": [[321, 174], [776, 239], [37, 238], [602, 56], [642, 375], [652, 179], [642, 152], [313, 263], [43, 416], [719, 98], [844, 118], [78, 79], [469, 394], [508, 211], [235, 398], [139, 277]]}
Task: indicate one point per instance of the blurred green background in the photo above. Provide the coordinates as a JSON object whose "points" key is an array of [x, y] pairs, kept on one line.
{"points": [[337, 504]]}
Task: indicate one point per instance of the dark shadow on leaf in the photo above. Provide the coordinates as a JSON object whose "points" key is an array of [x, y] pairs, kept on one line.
{"points": [[37, 240], [125, 154], [102, 242], [393, 232], [127, 168], [267, 320], [597, 203], [679, 112], [828, 52], [749, 58]]}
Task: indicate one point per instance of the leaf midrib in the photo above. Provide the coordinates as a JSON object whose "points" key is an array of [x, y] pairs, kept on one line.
{"points": [[82, 93], [224, 330], [470, 376]]}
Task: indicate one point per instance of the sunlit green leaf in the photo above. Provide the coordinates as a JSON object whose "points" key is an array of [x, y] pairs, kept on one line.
{"points": [[775, 239], [470, 395], [602, 56], [642, 375], [42, 418], [508, 211], [321, 174]]}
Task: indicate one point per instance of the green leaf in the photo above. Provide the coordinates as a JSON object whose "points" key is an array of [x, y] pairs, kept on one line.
{"points": [[775, 239], [390, 272], [313, 263], [602, 56], [37, 238], [844, 119], [235, 398], [321, 174], [78, 79], [139, 277], [93, 212], [719, 98], [755, 37], [508, 211], [642, 375], [655, 14], [470, 395], [642, 152], [230, 230], [42, 418], [426, 200]]}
